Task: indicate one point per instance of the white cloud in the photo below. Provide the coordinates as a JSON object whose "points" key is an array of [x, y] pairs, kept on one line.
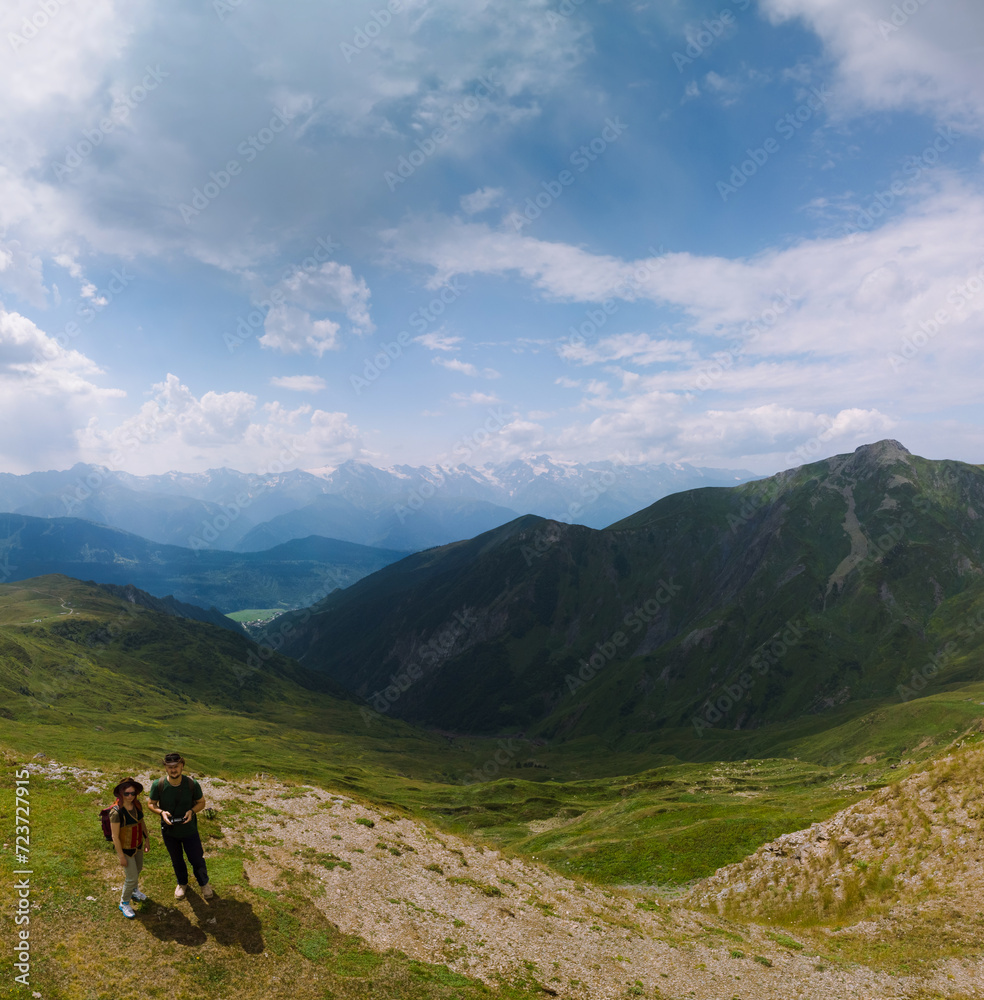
{"points": [[46, 392], [437, 341], [638, 348], [330, 288], [292, 330], [465, 368], [177, 430], [889, 58], [290, 326], [299, 383], [726, 87], [123, 196], [474, 398], [480, 200], [21, 273], [851, 298]]}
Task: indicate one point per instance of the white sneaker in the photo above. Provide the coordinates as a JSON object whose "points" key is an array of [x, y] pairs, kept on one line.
{"points": [[138, 896], [127, 910], [179, 892], [207, 891]]}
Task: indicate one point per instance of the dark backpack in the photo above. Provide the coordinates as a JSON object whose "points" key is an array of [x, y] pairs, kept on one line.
{"points": [[104, 819], [107, 828]]}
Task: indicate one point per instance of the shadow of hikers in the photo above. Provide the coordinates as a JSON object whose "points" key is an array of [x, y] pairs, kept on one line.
{"points": [[230, 921], [169, 923]]}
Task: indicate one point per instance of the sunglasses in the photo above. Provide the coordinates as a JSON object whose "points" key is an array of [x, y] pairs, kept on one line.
{"points": [[129, 795]]}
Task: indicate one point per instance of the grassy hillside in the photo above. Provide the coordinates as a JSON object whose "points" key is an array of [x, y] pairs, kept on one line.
{"points": [[89, 679], [86, 677], [248, 942], [844, 582]]}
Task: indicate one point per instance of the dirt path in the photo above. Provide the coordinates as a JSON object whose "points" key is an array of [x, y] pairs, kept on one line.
{"points": [[439, 899], [399, 884]]}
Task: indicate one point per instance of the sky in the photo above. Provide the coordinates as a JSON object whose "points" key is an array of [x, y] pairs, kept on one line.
{"points": [[735, 233]]}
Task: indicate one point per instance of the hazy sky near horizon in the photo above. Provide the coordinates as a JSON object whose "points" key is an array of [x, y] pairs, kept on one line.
{"points": [[742, 233]]}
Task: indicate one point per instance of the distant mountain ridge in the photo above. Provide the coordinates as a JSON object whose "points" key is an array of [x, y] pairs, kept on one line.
{"points": [[291, 575], [711, 611], [403, 507]]}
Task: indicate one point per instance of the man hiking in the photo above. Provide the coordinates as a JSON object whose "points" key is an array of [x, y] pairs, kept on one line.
{"points": [[178, 799]]}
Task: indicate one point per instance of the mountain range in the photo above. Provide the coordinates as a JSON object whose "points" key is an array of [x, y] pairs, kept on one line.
{"points": [[291, 575], [706, 615], [404, 507]]}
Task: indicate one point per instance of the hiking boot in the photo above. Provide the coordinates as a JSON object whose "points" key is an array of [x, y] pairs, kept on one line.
{"points": [[207, 891], [138, 896], [179, 892], [127, 910]]}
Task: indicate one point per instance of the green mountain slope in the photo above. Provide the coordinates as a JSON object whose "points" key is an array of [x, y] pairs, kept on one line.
{"points": [[853, 579], [291, 575], [92, 679]]}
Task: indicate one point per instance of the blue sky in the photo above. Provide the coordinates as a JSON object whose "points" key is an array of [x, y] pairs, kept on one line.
{"points": [[741, 233]]}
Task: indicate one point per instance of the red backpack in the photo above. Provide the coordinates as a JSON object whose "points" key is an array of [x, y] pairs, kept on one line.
{"points": [[107, 828], [104, 819]]}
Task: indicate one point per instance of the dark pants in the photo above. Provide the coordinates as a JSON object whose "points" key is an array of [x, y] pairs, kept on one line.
{"points": [[192, 846]]}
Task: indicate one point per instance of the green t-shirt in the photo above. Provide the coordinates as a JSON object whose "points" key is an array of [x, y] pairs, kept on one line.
{"points": [[177, 800]]}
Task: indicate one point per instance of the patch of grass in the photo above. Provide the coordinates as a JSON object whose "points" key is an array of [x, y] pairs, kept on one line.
{"points": [[483, 888], [785, 940]]}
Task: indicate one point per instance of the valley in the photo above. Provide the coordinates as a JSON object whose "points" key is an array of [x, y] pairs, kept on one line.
{"points": [[728, 747]]}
